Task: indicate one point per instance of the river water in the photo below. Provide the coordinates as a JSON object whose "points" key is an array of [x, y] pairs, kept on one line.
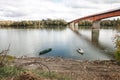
{"points": [[96, 44]]}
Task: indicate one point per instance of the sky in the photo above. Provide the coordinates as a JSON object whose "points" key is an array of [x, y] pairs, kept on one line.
{"points": [[54, 9]]}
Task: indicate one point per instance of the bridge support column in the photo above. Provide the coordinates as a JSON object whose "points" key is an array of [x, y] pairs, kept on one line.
{"points": [[76, 26], [96, 25], [72, 25]]}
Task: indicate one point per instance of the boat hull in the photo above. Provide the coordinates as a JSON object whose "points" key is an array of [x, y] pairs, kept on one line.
{"points": [[45, 51]]}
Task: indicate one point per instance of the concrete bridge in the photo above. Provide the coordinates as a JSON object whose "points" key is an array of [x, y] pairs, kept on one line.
{"points": [[95, 18]]}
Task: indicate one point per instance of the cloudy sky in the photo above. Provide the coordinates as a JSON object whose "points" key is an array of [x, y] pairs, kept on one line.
{"points": [[62, 9]]}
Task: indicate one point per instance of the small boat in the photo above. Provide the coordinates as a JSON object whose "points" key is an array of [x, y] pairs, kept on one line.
{"points": [[45, 51], [80, 51]]}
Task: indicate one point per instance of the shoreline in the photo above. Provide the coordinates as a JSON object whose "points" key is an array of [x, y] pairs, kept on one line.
{"points": [[75, 69]]}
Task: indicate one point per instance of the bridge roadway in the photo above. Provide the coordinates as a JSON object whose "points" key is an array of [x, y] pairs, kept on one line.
{"points": [[95, 18]]}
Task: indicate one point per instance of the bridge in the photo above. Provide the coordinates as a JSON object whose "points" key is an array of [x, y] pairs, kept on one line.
{"points": [[95, 18]]}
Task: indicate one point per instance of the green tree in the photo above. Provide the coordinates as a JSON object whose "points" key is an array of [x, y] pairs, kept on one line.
{"points": [[117, 45]]}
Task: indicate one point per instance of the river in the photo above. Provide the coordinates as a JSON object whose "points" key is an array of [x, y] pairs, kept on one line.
{"points": [[96, 44]]}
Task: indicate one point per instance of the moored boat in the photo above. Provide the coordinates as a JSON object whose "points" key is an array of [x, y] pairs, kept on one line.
{"points": [[45, 51], [80, 51]]}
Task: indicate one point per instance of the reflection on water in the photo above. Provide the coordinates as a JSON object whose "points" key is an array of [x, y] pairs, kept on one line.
{"points": [[95, 36], [96, 44]]}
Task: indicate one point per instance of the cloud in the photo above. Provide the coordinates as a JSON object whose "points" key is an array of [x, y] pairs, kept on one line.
{"points": [[12, 13], [105, 1], [42, 9]]}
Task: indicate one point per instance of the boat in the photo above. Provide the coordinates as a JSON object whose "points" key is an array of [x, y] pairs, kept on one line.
{"points": [[45, 51], [80, 51]]}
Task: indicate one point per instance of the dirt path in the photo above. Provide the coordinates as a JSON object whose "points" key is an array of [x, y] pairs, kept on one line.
{"points": [[75, 69]]}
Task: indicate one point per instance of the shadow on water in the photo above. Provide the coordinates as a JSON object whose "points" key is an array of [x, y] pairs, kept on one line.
{"points": [[94, 40]]}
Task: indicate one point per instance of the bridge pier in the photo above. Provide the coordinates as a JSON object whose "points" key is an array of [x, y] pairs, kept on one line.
{"points": [[96, 25], [74, 26]]}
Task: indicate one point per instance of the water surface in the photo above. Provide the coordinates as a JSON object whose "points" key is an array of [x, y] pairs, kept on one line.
{"points": [[97, 44]]}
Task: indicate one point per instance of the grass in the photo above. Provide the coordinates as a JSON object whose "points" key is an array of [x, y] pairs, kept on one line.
{"points": [[7, 72], [51, 75], [8, 59]]}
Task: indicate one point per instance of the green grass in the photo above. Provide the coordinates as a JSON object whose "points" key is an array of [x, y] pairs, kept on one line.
{"points": [[9, 71], [51, 75], [7, 60], [117, 54]]}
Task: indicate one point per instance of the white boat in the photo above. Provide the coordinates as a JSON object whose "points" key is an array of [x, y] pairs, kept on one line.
{"points": [[80, 51]]}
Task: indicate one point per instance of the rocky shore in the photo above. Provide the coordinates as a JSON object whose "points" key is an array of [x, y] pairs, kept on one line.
{"points": [[75, 69]]}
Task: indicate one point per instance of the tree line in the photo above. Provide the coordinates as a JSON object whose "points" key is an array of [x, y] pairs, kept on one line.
{"points": [[55, 22], [102, 23], [36, 23]]}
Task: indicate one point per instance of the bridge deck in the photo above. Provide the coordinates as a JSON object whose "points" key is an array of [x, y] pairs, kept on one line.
{"points": [[100, 16]]}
